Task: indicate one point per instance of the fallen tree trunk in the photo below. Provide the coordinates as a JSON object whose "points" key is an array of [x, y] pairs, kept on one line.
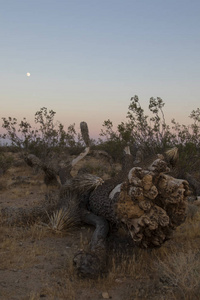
{"points": [[149, 203]]}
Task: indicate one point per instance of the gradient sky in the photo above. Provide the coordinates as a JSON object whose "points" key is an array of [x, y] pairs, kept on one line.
{"points": [[87, 58]]}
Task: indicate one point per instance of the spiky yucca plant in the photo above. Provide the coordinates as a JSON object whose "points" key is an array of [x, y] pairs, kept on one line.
{"points": [[64, 218], [172, 155], [82, 183], [86, 182]]}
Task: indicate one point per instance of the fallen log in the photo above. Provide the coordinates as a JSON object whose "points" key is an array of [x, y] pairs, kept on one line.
{"points": [[148, 203]]}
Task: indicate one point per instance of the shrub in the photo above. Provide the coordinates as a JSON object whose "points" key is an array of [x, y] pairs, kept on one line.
{"points": [[50, 135], [5, 162], [152, 134]]}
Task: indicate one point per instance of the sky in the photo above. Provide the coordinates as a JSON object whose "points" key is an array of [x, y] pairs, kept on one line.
{"points": [[87, 58]]}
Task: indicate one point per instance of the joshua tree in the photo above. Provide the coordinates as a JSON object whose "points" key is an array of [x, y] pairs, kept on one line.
{"points": [[148, 203]]}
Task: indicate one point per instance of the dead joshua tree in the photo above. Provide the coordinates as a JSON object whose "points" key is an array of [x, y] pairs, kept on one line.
{"points": [[149, 203]]}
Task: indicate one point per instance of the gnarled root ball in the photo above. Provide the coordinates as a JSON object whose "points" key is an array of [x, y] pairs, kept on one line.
{"points": [[152, 204], [149, 202]]}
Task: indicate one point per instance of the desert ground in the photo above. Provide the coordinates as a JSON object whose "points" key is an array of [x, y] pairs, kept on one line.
{"points": [[36, 262]]}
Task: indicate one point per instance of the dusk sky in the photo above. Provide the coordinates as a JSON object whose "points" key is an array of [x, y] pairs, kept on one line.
{"points": [[87, 58]]}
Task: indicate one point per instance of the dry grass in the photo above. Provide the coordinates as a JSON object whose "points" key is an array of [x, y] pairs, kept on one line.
{"points": [[34, 296], [181, 272], [60, 219], [3, 184], [16, 253], [64, 218], [169, 272], [189, 231]]}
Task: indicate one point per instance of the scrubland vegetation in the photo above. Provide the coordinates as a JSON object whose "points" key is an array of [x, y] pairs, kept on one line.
{"points": [[36, 261], [150, 133]]}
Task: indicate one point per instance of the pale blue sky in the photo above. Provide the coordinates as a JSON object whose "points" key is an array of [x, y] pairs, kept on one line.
{"points": [[88, 58]]}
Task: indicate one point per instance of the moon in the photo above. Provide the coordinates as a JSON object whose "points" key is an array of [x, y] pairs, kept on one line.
{"points": [[28, 74]]}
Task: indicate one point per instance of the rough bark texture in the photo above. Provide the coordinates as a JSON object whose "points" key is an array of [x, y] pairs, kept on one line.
{"points": [[150, 203]]}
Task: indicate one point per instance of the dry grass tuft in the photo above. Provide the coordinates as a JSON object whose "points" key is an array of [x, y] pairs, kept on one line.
{"points": [[180, 271], [63, 219], [136, 266], [172, 154], [34, 296]]}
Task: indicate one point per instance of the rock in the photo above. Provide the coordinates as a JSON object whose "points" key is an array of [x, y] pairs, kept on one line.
{"points": [[118, 280], [105, 295]]}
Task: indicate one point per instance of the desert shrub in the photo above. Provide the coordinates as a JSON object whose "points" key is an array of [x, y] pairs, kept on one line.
{"points": [[189, 158], [151, 134], [5, 162], [113, 148], [49, 134], [148, 133]]}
